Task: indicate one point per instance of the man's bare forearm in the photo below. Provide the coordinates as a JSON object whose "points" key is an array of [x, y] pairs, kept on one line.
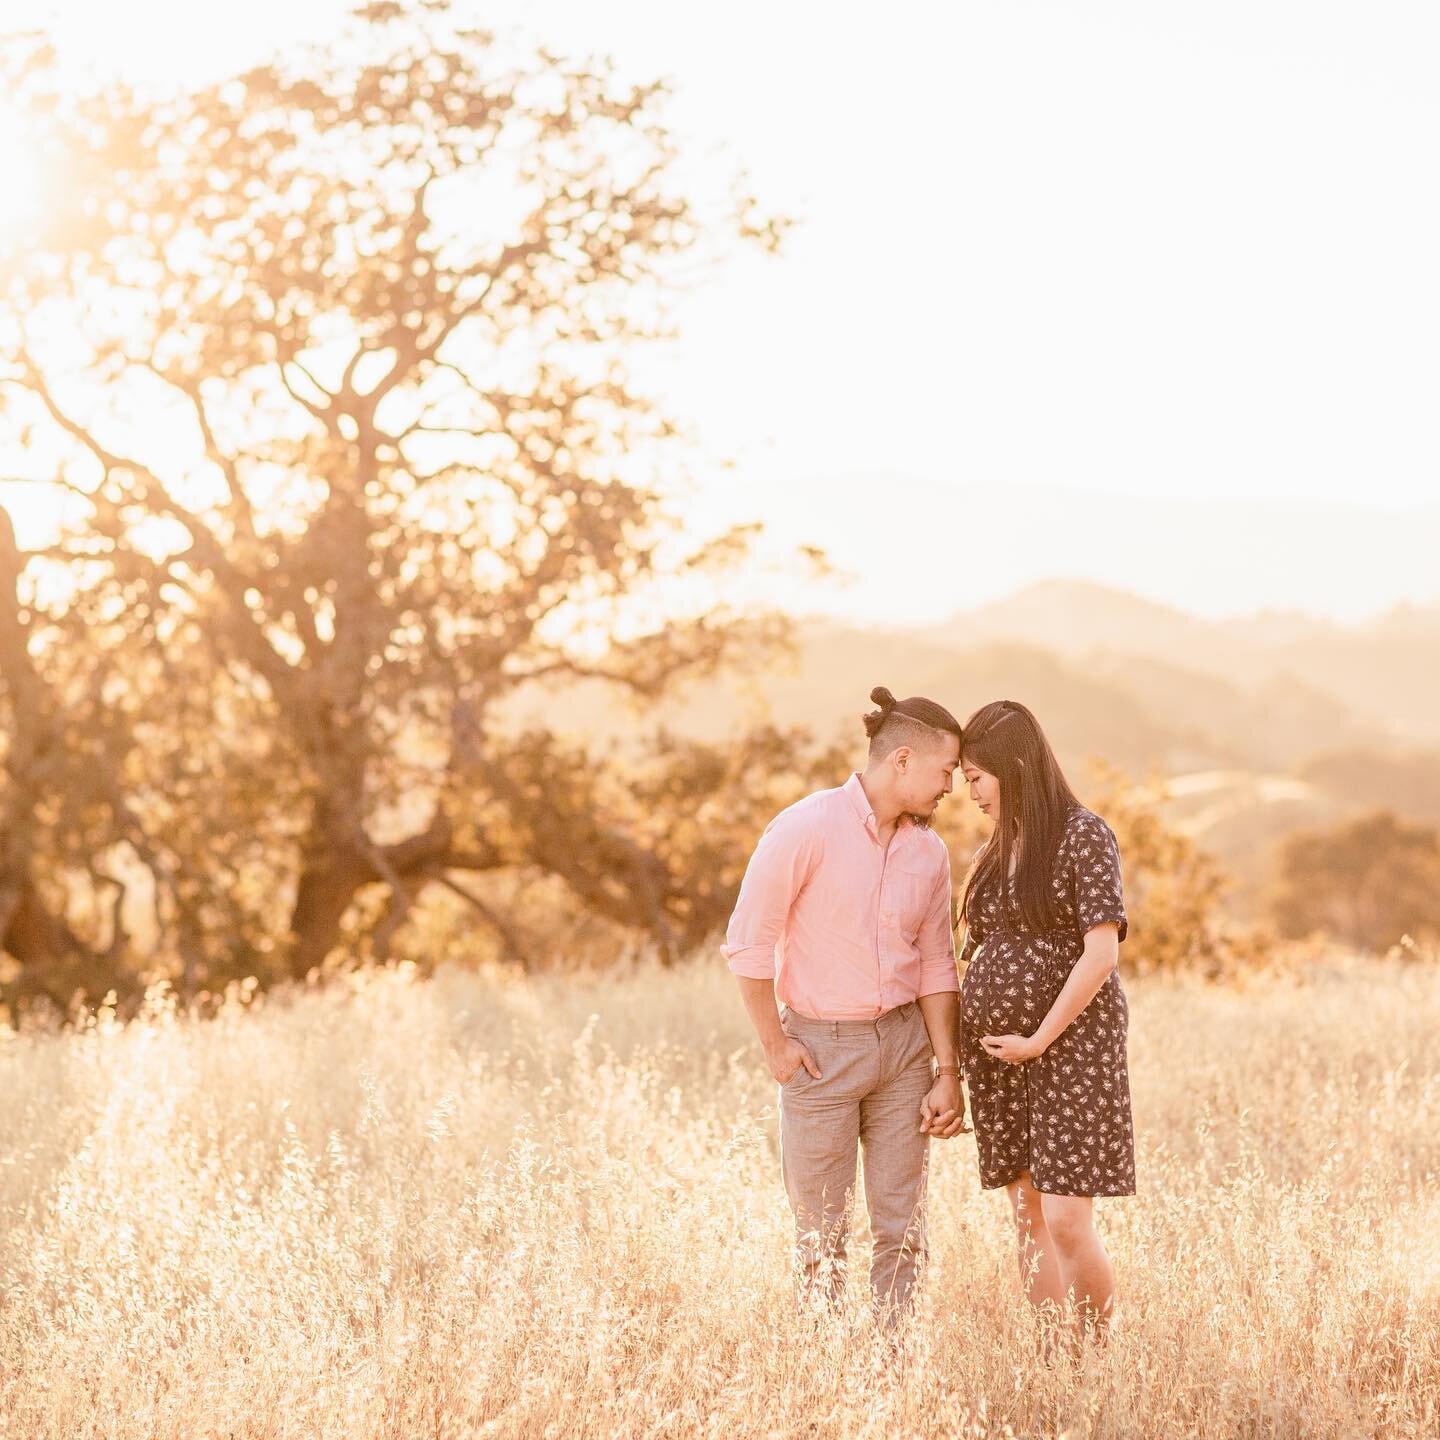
{"points": [[941, 1013], [759, 998]]}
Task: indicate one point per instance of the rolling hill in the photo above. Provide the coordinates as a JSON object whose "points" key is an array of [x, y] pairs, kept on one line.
{"points": [[1384, 672]]}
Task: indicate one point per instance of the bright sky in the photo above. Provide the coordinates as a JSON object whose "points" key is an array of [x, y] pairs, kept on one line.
{"points": [[1139, 293]]}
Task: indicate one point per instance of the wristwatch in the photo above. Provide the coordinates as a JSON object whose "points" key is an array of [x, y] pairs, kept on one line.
{"points": [[947, 1070]]}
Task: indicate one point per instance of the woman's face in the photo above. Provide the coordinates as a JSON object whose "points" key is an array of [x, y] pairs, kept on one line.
{"points": [[984, 788]]}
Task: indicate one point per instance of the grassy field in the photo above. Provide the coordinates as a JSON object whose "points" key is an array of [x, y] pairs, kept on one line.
{"points": [[477, 1206]]}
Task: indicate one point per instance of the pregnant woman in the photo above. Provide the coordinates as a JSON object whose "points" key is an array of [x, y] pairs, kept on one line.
{"points": [[1043, 1014]]}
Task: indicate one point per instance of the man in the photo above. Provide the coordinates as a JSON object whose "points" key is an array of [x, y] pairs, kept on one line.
{"points": [[844, 915]]}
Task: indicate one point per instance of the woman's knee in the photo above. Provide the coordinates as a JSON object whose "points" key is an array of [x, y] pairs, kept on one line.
{"points": [[1069, 1219]]}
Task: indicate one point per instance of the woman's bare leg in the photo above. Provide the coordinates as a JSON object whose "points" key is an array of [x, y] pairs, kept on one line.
{"points": [[1084, 1266], [1039, 1266]]}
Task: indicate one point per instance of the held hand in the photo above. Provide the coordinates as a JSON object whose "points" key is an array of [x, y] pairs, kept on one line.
{"points": [[1013, 1049], [942, 1111], [785, 1059]]}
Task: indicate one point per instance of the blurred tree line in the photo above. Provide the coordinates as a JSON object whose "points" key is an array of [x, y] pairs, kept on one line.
{"points": [[1370, 882], [333, 356]]}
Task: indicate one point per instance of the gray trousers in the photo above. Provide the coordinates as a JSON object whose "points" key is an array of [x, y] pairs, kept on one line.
{"points": [[874, 1075]]}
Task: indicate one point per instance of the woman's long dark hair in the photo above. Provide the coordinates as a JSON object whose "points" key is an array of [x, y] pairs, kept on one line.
{"points": [[1006, 740]]}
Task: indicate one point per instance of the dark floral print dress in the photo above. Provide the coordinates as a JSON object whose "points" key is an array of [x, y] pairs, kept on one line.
{"points": [[1064, 1116]]}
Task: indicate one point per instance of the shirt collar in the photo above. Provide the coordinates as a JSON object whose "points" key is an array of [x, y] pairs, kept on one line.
{"points": [[859, 802]]}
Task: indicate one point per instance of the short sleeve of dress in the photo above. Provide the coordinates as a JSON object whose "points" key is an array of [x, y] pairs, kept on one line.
{"points": [[1095, 873]]}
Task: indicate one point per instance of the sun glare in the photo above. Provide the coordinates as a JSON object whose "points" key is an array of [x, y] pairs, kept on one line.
{"points": [[36, 509], [34, 506], [21, 185]]}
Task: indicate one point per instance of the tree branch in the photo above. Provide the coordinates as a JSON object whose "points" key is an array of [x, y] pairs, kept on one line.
{"points": [[204, 544], [507, 935]]}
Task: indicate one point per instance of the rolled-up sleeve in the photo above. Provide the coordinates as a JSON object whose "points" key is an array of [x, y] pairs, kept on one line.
{"points": [[936, 940], [777, 872]]}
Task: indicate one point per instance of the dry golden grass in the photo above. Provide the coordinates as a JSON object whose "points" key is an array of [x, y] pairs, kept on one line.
{"points": [[464, 1207]]}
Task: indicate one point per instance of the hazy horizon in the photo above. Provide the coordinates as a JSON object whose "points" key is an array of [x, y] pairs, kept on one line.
{"points": [[1001, 598], [1165, 551]]}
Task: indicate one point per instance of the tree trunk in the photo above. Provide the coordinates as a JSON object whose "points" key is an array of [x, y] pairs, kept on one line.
{"points": [[327, 886], [55, 961]]}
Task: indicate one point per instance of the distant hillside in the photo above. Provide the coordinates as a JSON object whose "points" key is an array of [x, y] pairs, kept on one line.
{"points": [[1085, 715], [1269, 725], [1261, 725], [1139, 713], [1385, 673], [1075, 619], [827, 688]]}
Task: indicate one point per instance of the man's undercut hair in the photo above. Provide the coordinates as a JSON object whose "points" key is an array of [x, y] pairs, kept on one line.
{"points": [[916, 722]]}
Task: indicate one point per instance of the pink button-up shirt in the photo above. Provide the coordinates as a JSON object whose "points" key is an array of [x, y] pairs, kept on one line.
{"points": [[845, 926]]}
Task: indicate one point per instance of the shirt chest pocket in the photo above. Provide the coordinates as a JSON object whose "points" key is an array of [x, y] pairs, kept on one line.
{"points": [[908, 895]]}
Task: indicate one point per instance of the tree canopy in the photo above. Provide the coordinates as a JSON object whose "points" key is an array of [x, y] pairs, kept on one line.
{"points": [[335, 352]]}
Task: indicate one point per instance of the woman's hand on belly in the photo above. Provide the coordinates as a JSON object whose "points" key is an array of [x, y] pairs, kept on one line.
{"points": [[1012, 1049]]}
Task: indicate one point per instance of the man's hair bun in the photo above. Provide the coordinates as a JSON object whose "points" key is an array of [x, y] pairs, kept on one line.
{"points": [[917, 708], [876, 718]]}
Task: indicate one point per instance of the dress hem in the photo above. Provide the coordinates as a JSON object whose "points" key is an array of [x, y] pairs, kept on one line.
{"points": [[1066, 1194]]}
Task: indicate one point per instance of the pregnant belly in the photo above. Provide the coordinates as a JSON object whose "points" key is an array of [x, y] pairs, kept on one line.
{"points": [[1008, 989]]}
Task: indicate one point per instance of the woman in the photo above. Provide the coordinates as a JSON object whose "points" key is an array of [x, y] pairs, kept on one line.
{"points": [[1043, 1015]]}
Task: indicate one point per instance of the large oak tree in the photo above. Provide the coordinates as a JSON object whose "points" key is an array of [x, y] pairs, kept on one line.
{"points": [[336, 354]]}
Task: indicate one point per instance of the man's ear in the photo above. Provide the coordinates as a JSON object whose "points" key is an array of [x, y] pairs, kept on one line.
{"points": [[901, 757]]}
